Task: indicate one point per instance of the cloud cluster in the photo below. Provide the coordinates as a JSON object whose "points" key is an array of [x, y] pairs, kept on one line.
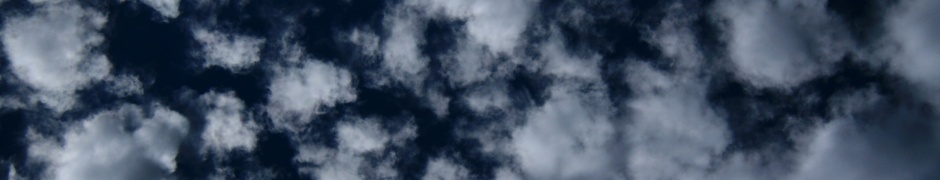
{"points": [[360, 153], [781, 43], [298, 93], [226, 128], [54, 51], [230, 51], [168, 8], [129, 142]]}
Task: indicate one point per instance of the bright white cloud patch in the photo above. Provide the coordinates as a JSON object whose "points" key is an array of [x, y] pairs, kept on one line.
{"points": [[443, 169], [168, 8], [348, 161], [567, 138], [226, 127], [674, 134], [495, 23], [231, 51], [52, 51], [298, 93], [915, 28], [124, 143], [781, 44]]}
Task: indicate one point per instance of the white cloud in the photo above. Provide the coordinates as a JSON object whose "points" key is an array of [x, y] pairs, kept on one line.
{"points": [[487, 97], [402, 57], [870, 138], [674, 134], [52, 51], [298, 93], [443, 169], [497, 24], [231, 51], [124, 143], [913, 26], [125, 85], [567, 137], [226, 127], [348, 161], [781, 43], [559, 63], [168, 8]]}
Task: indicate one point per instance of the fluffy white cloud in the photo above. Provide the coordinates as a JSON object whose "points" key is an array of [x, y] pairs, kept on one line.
{"points": [[402, 57], [231, 51], [124, 143], [53, 51], [348, 161], [125, 85], [781, 43], [870, 139], [403, 62], [226, 127], [495, 23], [443, 169], [487, 97], [298, 93], [168, 8], [915, 29], [567, 137], [674, 134]]}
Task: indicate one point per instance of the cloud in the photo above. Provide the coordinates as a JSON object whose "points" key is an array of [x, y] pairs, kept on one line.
{"points": [[443, 169], [494, 23], [298, 93], [914, 29], [168, 8], [871, 138], [125, 85], [124, 143], [53, 50], [567, 137], [230, 51], [402, 57], [227, 129], [357, 142], [403, 62], [674, 133], [781, 43]]}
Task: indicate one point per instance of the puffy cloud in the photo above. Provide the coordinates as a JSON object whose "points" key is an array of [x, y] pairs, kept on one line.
{"points": [[53, 50], [298, 93], [487, 97], [674, 133], [168, 8], [914, 29], [231, 51], [871, 138], [357, 140], [496, 24], [226, 127], [443, 169], [125, 85], [124, 143], [403, 62], [567, 137], [402, 57], [781, 43]]}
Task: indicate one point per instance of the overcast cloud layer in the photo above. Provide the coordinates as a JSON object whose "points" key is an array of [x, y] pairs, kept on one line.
{"points": [[470, 89]]}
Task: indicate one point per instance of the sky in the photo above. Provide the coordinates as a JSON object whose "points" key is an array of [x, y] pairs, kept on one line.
{"points": [[470, 89]]}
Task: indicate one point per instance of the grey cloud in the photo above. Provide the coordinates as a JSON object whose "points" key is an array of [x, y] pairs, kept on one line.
{"points": [[124, 143], [52, 51], [299, 93], [781, 43]]}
